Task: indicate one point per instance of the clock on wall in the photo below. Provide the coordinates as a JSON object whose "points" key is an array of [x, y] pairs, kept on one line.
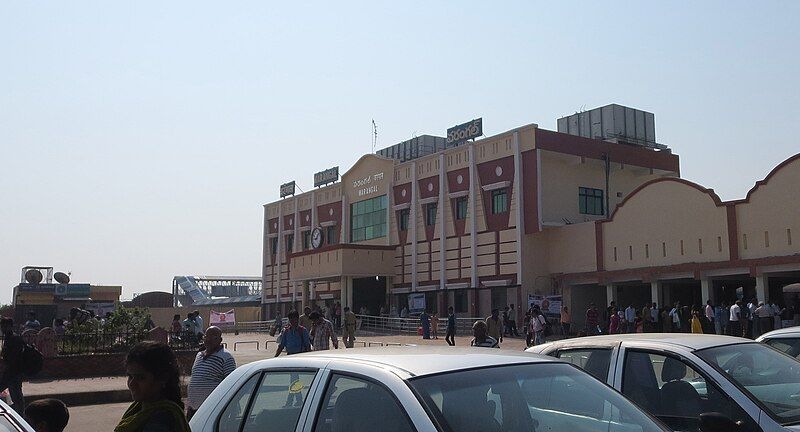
{"points": [[316, 238]]}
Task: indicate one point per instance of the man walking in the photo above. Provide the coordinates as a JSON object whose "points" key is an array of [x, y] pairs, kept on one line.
{"points": [[322, 333], [734, 322], [13, 348], [211, 366], [494, 325], [425, 323], [349, 336], [450, 334], [294, 337], [512, 321]]}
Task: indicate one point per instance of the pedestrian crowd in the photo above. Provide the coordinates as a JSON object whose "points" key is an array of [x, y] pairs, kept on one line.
{"points": [[748, 319]]}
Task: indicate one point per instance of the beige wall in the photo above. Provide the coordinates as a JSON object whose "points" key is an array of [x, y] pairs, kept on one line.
{"points": [[772, 216], [562, 175], [571, 248], [667, 218]]}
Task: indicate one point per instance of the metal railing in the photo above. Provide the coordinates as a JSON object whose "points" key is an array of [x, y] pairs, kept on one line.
{"points": [[99, 342], [395, 325]]}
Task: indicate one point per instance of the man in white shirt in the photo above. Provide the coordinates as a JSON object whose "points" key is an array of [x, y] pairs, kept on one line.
{"points": [[630, 318], [654, 316], [676, 318], [710, 314], [734, 326]]}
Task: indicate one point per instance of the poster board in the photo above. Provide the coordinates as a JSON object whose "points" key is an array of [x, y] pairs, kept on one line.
{"points": [[220, 319]]}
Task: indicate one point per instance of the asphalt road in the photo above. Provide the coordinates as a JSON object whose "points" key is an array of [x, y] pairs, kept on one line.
{"points": [[95, 417]]}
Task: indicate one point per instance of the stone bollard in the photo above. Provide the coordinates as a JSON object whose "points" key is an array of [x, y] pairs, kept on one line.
{"points": [[158, 334], [46, 342]]}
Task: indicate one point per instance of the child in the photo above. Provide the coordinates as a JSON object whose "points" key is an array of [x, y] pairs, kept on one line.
{"points": [[47, 415], [435, 326]]}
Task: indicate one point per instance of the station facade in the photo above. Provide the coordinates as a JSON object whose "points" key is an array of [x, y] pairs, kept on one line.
{"points": [[528, 211]]}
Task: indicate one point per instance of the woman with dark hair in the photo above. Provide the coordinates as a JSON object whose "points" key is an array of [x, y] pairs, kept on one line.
{"points": [[154, 382]]}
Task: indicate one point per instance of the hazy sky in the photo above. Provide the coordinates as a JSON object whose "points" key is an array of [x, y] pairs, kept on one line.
{"points": [[139, 140]]}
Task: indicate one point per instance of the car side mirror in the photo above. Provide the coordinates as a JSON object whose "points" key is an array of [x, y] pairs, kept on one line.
{"points": [[717, 422]]}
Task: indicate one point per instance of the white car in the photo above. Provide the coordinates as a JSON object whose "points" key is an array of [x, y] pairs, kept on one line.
{"points": [[416, 389], [786, 340], [10, 421], [677, 377]]}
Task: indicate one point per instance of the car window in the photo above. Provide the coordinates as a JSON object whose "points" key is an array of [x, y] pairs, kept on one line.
{"points": [[675, 391], [596, 361], [278, 400], [764, 374], [232, 416], [789, 346], [529, 397], [354, 404], [7, 425]]}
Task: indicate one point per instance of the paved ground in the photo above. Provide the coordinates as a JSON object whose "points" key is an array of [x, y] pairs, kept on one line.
{"points": [[95, 417], [105, 416]]}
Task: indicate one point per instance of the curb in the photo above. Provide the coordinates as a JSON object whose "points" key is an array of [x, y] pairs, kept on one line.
{"points": [[90, 398]]}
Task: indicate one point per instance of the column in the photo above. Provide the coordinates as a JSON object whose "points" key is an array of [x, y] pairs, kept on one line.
{"points": [[442, 227], [277, 264], [305, 296], [412, 222], [706, 289], [762, 287], [656, 293], [346, 292], [473, 220], [264, 261], [519, 192], [611, 294]]}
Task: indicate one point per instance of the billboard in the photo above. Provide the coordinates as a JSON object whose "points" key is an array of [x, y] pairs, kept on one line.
{"points": [[330, 175], [416, 302], [550, 305], [469, 130], [222, 318], [287, 189]]}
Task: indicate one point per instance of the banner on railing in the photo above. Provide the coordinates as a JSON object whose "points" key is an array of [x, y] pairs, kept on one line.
{"points": [[222, 318], [416, 302], [550, 305]]}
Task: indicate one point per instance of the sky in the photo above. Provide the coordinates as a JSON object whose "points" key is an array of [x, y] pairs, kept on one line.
{"points": [[140, 140]]}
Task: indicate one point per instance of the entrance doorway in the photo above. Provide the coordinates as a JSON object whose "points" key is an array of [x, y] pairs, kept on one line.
{"points": [[369, 293]]}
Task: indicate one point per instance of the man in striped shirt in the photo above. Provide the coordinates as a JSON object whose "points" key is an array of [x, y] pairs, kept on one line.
{"points": [[211, 366], [480, 338]]}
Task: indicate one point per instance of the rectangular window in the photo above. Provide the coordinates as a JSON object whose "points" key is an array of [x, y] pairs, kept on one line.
{"points": [[368, 219], [499, 201], [330, 235], [274, 245], [430, 215], [461, 208], [404, 214], [590, 201], [306, 240], [289, 243]]}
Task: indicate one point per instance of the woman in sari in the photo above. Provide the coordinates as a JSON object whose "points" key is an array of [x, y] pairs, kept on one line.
{"points": [[154, 382]]}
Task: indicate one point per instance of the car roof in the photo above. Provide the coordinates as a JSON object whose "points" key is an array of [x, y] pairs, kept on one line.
{"points": [[685, 340], [784, 332], [421, 360]]}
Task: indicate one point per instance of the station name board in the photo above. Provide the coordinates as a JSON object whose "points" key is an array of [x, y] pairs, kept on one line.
{"points": [[330, 175], [458, 134], [365, 185], [287, 189]]}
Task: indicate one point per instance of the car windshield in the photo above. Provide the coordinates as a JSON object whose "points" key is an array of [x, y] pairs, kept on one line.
{"points": [[517, 398], [790, 346], [771, 378]]}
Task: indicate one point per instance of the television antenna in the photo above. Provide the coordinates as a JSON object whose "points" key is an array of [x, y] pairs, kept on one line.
{"points": [[374, 135]]}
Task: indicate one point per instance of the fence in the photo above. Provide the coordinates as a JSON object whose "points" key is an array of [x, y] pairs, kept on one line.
{"points": [[107, 342], [366, 323]]}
